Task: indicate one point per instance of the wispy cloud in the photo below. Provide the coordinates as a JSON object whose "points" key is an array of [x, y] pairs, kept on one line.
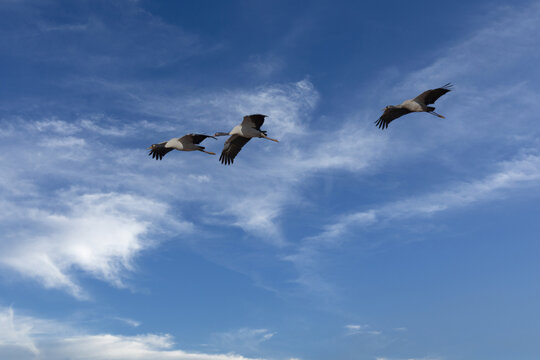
{"points": [[99, 234], [130, 322], [21, 336], [108, 346], [510, 178], [131, 32], [519, 173], [16, 333], [247, 340], [355, 329]]}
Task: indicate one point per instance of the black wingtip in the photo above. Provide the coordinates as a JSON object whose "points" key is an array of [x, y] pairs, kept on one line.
{"points": [[224, 159], [155, 155], [380, 124]]}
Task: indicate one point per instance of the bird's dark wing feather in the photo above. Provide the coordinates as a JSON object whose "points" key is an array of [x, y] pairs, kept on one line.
{"points": [[195, 138], [430, 96], [159, 150], [389, 115], [255, 120], [232, 147]]}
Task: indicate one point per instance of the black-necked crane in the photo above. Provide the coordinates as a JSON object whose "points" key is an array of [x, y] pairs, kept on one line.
{"points": [[418, 104], [240, 135], [187, 142]]}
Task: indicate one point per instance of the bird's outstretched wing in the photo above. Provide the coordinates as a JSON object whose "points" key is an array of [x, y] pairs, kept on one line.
{"points": [[389, 115], [255, 120], [158, 151], [195, 138], [430, 96], [232, 147]]}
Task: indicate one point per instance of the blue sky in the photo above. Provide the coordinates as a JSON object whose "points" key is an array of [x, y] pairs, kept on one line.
{"points": [[340, 242]]}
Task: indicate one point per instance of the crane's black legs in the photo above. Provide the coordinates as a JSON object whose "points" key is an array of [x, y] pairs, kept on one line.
{"points": [[435, 114], [266, 137]]}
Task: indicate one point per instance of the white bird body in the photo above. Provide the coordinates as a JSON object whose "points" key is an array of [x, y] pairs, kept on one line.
{"points": [[413, 106], [174, 143], [246, 131], [189, 142], [178, 144]]}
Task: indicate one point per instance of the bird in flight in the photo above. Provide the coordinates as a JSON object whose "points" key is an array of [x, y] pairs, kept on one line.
{"points": [[418, 104], [187, 142], [240, 135]]}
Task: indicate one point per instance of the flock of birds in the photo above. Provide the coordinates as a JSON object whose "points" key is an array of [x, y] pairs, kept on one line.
{"points": [[251, 128]]}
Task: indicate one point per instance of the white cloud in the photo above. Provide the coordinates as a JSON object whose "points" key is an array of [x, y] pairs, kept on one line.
{"points": [[55, 125], [64, 142], [130, 322], [99, 234], [244, 339], [356, 329], [15, 333], [519, 173], [32, 338], [115, 347]]}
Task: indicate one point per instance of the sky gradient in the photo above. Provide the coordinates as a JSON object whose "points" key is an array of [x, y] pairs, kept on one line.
{"points": [[342, 241]]}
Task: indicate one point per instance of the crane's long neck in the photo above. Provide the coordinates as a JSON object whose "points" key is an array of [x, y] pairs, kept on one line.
{"points": [[221, 134]]}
